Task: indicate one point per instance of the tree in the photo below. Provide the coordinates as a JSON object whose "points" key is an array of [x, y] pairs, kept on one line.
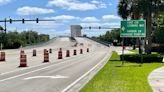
{"points": [[110, 36], [16, 39], [123, 10], [142, 9], [159, 33]]}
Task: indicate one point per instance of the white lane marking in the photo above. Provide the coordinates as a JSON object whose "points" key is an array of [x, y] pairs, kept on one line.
{"points": [[29, 72], [35, 66], [76, 81], [50, 77], [23, 69], [38, 69]]}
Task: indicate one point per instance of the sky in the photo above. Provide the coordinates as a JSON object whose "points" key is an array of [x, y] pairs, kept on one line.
{"points": [[86, 13]]}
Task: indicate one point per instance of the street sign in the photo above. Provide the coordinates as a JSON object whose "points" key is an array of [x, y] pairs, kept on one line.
{"points": [[133, 28]]}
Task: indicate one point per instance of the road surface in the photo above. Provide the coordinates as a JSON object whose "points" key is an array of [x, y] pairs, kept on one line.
{"points": [[55, 76]]}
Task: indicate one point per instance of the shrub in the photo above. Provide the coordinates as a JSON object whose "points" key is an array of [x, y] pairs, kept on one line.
{"points": [[146, 58]]}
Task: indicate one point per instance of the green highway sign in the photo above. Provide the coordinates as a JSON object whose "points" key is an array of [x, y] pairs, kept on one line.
{"points": [[133, 28]]}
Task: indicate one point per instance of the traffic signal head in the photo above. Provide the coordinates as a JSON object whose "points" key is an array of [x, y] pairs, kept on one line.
{"points": [[89, 27], [37, 20], [23, 21], [10, 21], [99, 27]]}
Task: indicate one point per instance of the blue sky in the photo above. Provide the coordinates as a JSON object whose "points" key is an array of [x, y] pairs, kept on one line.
{"points": [[66, 12]]}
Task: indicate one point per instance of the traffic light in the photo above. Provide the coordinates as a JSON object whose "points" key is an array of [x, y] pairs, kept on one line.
{"points": [[10, 21], [37, 20], [89, 27], [99, 27], [23, 21]]}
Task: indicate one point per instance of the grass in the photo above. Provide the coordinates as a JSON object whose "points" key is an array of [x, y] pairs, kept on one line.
{"points": [[134, 51], [137, 52], [115, 78]]}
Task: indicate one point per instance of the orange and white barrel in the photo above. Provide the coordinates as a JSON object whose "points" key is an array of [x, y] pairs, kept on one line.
{"points": [[81, 51], [22, 52], [2, 56], [67, 53], [87, 49], [34, 52], [50, 50], [46, 56], [74, 52], [60, 56], [23, 60]]}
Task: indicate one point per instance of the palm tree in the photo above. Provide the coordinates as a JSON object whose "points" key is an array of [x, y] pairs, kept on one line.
{"points": [[148, 8], [136, 8], [123, 11]]}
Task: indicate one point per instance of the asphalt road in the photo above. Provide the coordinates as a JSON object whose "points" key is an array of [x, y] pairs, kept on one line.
{"points": [[55, 76]]}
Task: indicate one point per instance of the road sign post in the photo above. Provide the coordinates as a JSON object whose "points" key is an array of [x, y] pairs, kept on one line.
{"points": [[133, 29]]}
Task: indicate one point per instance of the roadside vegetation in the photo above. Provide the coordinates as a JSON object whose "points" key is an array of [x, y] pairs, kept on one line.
{"points": [[116, 78], [16, 39]]}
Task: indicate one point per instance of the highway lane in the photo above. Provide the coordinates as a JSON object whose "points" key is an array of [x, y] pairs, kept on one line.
{"points": [[42, 78], [13, 56]]}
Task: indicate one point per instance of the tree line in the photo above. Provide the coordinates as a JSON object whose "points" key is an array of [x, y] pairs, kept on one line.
{"points": [[16, 39]]}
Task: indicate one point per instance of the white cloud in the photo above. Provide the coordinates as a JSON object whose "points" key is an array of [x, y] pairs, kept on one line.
{"points": [[90, 24], [106, 25], [110, 17], [26, 10], [3, 2], [111, 25], [77, 5], [63, 17], [90, 19], [95, 2]]}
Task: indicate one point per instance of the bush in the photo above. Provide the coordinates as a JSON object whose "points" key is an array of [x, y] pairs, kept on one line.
{"points": [[146, 58], [158, 48]]}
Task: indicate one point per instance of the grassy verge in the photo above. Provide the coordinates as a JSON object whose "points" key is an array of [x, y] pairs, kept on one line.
{"points": [[137, 52], [115, 78], [134, 51]]}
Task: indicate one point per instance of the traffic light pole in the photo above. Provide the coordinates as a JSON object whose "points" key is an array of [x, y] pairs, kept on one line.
{"points": [[5, 26], [16, 20]]}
